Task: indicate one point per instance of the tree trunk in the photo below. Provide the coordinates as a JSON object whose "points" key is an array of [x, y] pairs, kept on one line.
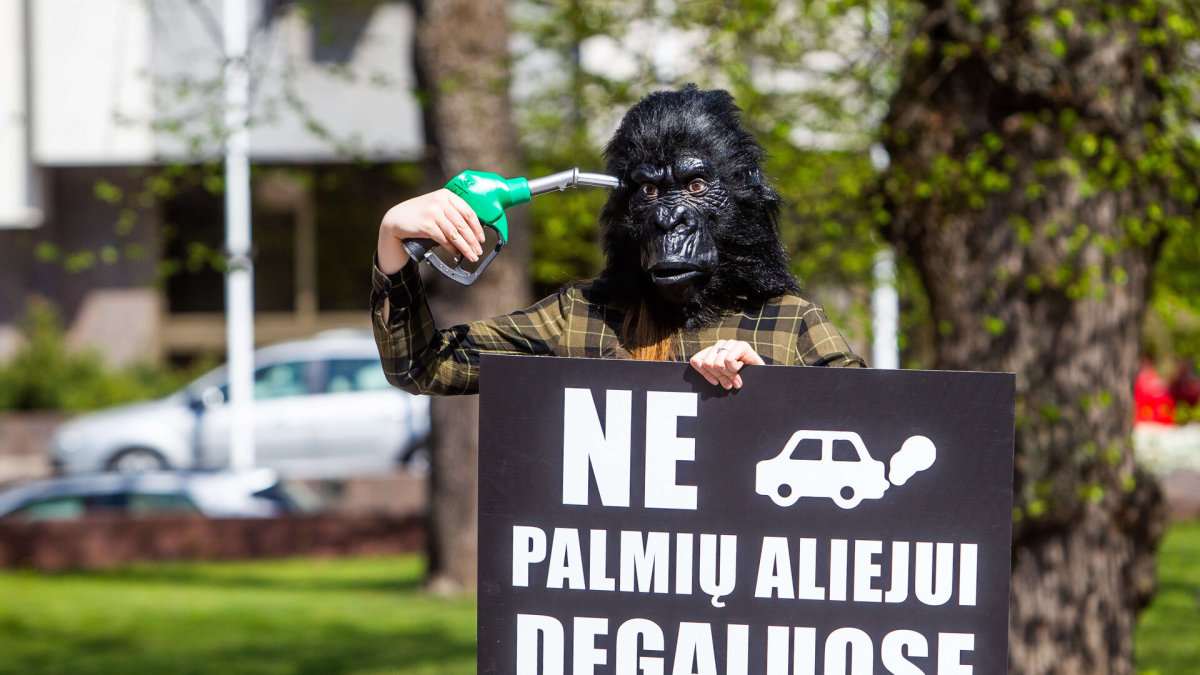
{"points": [[1015, 188], [463, 62]]}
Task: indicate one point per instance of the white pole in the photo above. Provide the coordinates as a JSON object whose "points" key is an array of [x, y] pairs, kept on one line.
{"points": [[885, 312], [239, 277], [19, 194]]}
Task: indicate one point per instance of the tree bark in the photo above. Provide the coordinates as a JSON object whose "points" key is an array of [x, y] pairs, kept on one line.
{"points": [[1013, 137], [463, 65]]}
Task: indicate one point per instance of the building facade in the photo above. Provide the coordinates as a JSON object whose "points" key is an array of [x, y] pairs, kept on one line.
{"points": [[111, 203]]}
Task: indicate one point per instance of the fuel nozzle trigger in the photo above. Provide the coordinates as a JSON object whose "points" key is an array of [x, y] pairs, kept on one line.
{"points": [[489, 194]]}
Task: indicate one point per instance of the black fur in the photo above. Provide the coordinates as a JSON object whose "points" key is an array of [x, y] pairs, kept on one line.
{"points": [[741, 213]]}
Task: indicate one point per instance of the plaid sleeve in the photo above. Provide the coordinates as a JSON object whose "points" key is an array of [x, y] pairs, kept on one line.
{"points": [[422, 359], [821, 344]]}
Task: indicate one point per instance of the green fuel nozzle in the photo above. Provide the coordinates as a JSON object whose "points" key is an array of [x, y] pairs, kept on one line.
{"points": [[489, 195]]}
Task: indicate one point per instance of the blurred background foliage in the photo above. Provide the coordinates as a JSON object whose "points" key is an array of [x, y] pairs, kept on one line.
{"points": [[46, 375]]}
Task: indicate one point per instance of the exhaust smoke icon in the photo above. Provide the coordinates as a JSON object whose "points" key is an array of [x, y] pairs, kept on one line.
{"points": [[917, 454]]}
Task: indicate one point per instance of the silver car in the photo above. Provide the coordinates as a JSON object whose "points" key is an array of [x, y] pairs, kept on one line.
{"points": [[322, 409]]}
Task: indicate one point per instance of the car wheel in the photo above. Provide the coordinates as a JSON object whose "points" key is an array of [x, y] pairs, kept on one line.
{"points": [[134, 460], [847, 497], [784, 495]]}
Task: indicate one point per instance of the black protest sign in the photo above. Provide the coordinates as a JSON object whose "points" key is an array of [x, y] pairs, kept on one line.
{"points": [[636, 520]]}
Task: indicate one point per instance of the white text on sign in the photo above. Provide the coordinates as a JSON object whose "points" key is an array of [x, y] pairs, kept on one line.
{"points": [[640, 649], [606, 448]]}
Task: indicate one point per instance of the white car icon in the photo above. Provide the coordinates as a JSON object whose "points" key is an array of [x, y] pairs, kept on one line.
{"points": [[847, 479]]}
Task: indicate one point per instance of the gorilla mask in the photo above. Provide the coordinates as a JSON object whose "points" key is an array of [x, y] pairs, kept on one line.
{"points": [[693, 230], [674, 203]]}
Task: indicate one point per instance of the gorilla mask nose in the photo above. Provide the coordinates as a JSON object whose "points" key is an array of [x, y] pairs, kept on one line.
{"points": [[669, 218], [678, 255]]}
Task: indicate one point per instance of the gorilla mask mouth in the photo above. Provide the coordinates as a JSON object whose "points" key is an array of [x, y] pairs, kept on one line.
{"points": [[679, 262], [672, 272]]}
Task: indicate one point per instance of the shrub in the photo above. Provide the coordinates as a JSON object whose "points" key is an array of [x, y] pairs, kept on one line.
{"points": [[46, 375]]}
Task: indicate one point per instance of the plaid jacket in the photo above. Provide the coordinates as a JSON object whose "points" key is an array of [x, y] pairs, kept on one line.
{"points": [[419, 358]]}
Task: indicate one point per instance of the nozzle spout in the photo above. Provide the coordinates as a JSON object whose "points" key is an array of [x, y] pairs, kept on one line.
{"points": [[599, 180], [570, 178]]}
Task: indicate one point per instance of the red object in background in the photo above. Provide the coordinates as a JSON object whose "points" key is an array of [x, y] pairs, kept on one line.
{"points": [[1152, 400]]}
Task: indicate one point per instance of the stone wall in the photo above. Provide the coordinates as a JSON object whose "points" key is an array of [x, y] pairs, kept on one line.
{"points": [[106, 542]]}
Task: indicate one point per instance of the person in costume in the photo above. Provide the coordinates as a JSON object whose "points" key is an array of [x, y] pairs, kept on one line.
{"points": [[695, 269]]}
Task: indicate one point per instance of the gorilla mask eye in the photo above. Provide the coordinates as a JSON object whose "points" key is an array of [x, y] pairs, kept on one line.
{"points": [[649, 190], [696, 186]]}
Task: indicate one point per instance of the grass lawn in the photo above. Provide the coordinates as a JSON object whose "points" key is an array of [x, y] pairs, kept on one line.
{"points": [[1168, 636], [295, 616], [361, 616]]}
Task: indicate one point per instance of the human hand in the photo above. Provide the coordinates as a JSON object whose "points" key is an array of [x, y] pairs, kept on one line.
{"points": [[720, 363], [441, 216]]}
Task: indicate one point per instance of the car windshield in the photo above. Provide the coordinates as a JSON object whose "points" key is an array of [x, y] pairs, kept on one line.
{"points": [[351, 375], [75, 507], [807, 448], [277, 380], [844, 450]]}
